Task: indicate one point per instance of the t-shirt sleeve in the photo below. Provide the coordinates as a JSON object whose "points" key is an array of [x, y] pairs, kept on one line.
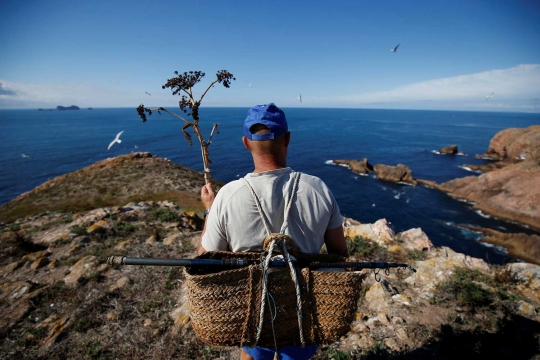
{"points": [[215, 236], [336, 219]]}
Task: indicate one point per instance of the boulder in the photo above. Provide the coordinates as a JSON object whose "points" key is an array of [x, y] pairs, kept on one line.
{"points": [[452, 149], [398, 173], [82, 269], [359, 167], [379, 232], [415, 239]]}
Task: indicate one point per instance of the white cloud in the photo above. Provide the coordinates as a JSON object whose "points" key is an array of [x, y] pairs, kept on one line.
{"points": [[96, 94], [515, 89], [512, 88]]}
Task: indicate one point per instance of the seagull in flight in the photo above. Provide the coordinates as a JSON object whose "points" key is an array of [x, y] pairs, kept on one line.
{"points": [[395, 49], [116, 140], [489, 96], [147, 93], [300, 97], [26, 156]]}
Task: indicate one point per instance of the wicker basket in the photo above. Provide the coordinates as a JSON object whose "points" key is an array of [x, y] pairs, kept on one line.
{"points": [[225, 305]]}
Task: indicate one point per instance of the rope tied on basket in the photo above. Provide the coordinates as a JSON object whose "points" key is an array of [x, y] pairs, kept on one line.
{"points": [[282, 241]]}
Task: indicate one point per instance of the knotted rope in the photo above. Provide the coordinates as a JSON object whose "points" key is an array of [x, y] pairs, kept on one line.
{"points": [[272, 240]]}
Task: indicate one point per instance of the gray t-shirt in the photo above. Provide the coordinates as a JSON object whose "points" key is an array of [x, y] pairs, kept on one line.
{"points": [[234, 223]]}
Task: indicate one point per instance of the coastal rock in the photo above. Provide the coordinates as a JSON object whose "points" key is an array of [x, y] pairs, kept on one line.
{"points": [[519, 245], [82, 269], [452, 149], [378, 232], [513, 142], [415, 239], [511, 193], [398, 173], [486, 167], [359, 167]]}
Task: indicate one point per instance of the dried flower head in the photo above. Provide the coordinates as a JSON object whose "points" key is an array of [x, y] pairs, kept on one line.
{"points": [[182, 85]]}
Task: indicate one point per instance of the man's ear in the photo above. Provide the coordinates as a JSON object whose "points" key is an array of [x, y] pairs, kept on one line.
{"points": [[287, 138], [246, 143]]}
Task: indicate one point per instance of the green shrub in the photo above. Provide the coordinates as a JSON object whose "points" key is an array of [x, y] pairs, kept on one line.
{"points": [[416, 255], [163, 215], [464, 289], [366, 249], [78, 230]]}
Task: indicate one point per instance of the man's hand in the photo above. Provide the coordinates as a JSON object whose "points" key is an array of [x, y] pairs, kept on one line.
{"points": [[207, 195]]}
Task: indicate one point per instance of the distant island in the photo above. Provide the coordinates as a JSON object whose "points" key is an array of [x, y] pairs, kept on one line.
{"points": [[59, 107]]}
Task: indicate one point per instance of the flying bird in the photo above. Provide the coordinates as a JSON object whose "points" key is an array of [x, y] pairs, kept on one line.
{"points": [[489, 96], [395, 49], [250, 84], [26, 156], [300, 97], [147, 93], [116, 140]]}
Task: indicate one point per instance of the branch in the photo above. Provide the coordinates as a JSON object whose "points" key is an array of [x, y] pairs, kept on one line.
{"points": [[170, 112], [208, 88]]}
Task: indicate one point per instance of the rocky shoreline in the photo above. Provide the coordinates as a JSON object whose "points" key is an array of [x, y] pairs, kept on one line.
{"points": [[58, 298], [508, 188]]}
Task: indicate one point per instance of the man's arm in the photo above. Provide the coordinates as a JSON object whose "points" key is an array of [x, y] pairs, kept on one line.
{"points": [[207, 197], [335, 242]]}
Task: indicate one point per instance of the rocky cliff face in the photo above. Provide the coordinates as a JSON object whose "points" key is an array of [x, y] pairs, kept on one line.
{"points": [[511, 190], [514, 142], [511, 193]]}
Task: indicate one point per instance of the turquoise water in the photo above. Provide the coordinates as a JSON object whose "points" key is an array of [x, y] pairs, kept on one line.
{"points": [[63, 141]]}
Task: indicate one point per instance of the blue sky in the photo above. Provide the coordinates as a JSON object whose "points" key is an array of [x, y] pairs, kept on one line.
{"points": [[335, 53]]}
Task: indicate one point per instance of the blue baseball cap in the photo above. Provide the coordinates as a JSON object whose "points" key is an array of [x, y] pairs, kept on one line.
{"points": [[269, 115]]}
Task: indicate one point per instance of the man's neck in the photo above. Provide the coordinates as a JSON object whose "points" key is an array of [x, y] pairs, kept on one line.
{"points": [[266, 163]]}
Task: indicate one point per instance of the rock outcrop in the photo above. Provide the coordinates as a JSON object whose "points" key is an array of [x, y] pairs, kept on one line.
{"points": [[452, 149], [511, 193], [511, 190], [520, 246], [398, 173], [359, 167], [119, 180], [513, 143]]}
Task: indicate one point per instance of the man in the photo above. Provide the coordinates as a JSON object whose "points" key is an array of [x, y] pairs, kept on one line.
{"points": [[233, 221]]}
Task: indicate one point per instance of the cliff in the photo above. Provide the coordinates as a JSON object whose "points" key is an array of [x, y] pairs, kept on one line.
{"points": [[58, 298], [132, 177], [510, 191]]}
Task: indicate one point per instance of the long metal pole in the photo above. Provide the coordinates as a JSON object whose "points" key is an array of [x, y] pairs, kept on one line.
{"points": [[236, 263]]}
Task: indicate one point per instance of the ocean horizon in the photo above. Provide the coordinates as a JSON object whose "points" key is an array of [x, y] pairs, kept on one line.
{"points": [[59, 142]]}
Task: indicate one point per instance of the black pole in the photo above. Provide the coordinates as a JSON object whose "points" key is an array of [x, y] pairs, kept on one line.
{"points": [[236, 263]]}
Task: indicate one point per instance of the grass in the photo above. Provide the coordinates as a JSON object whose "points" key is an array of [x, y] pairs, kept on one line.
{"points": [[82, 202], [370, 251]]}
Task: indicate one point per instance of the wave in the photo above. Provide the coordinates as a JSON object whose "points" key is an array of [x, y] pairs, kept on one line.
{"points": [[469, 169], [479, 212], [331, 162], [499, 249], [436, 152], [405, 183], [466, 201]]}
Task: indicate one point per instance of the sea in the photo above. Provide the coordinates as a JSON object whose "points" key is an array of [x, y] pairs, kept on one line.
{"points": [[36, 146]]}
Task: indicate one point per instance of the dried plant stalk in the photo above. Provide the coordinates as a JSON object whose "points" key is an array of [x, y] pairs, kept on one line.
{"points": [[182, 85]]}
